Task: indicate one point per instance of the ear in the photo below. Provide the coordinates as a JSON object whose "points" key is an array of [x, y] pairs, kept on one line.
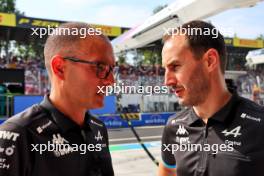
{"points": [[57, 66], [211, 58]]}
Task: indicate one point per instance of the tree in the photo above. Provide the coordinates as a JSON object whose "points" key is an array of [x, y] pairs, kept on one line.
{"points": [[260, 37], [121, 58], [32, 49], [151, 56], [7, 6]]}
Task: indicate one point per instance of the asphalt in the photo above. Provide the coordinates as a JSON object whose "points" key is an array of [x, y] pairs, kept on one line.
{"points": [[128, 157], [125, 135]]}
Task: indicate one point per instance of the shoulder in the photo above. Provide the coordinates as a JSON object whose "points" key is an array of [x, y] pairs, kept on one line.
{"points": [[248, 109], [180, 117], [250, 105], [15, 141], [251, 108], [20, 122]]}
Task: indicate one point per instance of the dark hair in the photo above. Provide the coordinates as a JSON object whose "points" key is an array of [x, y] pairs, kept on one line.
{"points": [[200, 43], [231, 86]]}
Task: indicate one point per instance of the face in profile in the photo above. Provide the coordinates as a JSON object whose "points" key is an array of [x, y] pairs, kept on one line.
{"points": [[82, 80], [184, 73]]}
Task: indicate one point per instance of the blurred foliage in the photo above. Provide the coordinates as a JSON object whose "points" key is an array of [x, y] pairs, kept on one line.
{"points": [[122, 58], [9, 6], [260, 37], [151, 57], [23, 50], [32, 49]]}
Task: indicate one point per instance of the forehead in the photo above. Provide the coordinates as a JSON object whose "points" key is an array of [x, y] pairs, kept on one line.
{"points": [[175, 43], [175, 49], [98, 49]]}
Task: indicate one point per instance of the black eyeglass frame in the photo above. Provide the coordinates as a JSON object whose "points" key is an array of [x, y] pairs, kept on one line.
{"points": [[97, 64]]}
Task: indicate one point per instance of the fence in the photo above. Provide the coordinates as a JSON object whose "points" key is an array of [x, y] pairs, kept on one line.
{"points": [[6, 105]]}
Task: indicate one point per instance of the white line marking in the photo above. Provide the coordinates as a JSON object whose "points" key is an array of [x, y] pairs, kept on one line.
{"points": [[149, 127], [133, 138], [140, 127]]}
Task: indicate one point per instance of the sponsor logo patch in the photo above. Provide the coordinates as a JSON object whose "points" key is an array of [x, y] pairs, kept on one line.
{"points": [[8, 135]]}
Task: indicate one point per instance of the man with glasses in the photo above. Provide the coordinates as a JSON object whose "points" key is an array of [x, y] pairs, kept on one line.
{"points": [[58, 136]]}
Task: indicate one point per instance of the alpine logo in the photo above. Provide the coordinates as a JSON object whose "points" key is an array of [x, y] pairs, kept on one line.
{"points": [[235, 132], [8, 135], [98, 137], [182, 131]]}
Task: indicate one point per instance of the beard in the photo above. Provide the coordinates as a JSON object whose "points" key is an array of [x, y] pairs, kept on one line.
{"points": [[197, 88]]}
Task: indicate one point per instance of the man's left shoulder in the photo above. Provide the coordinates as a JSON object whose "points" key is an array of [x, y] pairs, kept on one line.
{"points": [[251, 106], [250, 110]]}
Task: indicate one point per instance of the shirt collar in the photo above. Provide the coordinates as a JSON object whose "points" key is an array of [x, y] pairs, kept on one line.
{"points": [[221, 115], [61, 120]]}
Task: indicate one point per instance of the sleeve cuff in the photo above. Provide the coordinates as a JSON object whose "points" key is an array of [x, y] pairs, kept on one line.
{"points": [[168, 165]]}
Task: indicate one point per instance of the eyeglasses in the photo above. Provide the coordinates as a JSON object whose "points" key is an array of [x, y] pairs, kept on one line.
{"points": [[102, 70]]}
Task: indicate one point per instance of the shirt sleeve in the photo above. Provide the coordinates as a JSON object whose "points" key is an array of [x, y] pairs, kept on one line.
{"points": [[167, 155], [13, 159]]}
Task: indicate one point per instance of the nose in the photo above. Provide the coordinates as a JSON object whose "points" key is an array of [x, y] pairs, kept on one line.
{"points": [[170, 78]]}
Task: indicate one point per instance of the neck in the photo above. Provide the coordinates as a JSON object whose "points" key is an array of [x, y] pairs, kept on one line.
{"points": [[216, 99], [68, 107]]}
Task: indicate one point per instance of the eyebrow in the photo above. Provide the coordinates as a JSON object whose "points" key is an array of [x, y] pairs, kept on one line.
{"points": [[173, 62]]}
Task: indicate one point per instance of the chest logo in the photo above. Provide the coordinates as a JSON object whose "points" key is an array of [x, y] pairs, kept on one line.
{"points": [[8, 135], [62, 146], [236, 132], [182, 131], [57, 139], [246, 116], [98, 137], [182, 135]]}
